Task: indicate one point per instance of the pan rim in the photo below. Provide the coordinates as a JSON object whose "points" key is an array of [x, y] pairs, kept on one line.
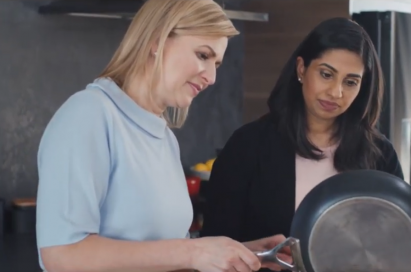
{"points": [[344, 186]]}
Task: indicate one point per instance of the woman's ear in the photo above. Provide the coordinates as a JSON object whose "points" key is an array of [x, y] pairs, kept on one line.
{"points": [[154, 48], [300, 68]]}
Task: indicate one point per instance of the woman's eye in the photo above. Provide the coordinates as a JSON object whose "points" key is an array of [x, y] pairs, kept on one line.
{"points": [[202, 56], [326, 75], [352, 83]]}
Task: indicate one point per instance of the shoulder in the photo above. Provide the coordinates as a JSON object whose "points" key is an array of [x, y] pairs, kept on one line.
{"points": [[86, 101], [84, 109], [259, 139], [256, 131], [388, 161], [83, 118], [384, 144]]}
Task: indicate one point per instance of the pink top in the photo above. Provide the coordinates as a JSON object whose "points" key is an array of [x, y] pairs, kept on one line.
{"points": [[309, 173]]}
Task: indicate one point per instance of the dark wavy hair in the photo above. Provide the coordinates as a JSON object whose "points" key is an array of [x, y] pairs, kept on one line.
{"points": [[356, 129]]}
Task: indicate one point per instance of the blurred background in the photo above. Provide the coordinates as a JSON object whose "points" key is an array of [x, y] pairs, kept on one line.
{"points": [[52, 49]]}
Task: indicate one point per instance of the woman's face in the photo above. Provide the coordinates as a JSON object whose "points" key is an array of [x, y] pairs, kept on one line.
{"points": [[189, 67], [330, 83]]}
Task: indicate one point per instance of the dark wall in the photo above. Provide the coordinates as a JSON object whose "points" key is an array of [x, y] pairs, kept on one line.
{"points": [[44, 60]]}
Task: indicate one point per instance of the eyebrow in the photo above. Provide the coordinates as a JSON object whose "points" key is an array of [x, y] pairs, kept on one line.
{"points": [[336, 71], [213, 53], [211, 49]]}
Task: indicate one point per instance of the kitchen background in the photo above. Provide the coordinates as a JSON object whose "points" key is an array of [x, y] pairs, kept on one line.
{"points": [[45, 59]]}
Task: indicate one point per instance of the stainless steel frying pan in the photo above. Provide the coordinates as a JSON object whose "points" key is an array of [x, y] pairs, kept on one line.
{"points": [[357, 221]]}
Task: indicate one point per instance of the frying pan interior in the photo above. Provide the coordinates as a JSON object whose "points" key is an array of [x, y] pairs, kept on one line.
{"points": [[355, 221]]}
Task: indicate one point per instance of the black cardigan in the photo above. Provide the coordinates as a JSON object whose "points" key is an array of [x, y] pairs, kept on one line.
{"points": [[251, 191]]}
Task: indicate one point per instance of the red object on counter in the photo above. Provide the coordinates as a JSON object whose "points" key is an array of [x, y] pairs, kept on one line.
{"points": [[195, 226], [193, 184]]}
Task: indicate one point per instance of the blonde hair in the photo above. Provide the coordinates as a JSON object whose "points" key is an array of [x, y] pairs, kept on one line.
{"points": [[156, 21]]}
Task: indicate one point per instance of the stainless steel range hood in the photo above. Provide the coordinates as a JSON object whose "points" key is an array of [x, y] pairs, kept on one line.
{"points": [[122, 9]]}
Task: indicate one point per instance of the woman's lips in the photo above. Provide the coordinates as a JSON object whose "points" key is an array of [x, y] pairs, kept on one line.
{"points": [[327, 105], [196, 88]]}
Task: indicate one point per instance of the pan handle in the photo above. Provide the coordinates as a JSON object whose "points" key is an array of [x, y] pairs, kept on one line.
{"points": [[271, 255]]}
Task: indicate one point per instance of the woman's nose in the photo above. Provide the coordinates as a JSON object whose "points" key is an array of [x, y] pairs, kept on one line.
{"points": [[336, 91]]}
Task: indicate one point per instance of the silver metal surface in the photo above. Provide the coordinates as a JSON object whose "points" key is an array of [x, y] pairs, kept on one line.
{"points": [[231, 14], [361, 234], [246, 15], [405, 151], [271, 255]]}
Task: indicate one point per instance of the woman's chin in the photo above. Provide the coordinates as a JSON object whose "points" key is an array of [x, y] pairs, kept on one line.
{"points": [[185, 103]]}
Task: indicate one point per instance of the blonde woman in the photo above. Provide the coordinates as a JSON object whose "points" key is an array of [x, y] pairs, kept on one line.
{"points": [[112, 194]]}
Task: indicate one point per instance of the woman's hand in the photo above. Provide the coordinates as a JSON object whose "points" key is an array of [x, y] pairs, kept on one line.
{"points": [[267, 244], [222, 254]]}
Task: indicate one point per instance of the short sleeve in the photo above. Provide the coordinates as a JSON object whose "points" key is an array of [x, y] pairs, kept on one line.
{"points": [[74, 170]]}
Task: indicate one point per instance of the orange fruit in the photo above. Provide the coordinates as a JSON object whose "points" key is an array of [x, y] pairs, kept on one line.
{"points": [[200, 167], [210, 164]]}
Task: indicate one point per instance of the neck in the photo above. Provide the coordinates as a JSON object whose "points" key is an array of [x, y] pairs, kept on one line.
{"points": [[320, 132], [138, 89]]}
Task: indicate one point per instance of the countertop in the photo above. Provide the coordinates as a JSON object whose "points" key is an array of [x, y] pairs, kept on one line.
{"points": [[18, 253]]}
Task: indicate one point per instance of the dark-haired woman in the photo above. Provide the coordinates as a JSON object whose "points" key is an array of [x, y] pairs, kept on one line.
{"points": [[322, 121]]}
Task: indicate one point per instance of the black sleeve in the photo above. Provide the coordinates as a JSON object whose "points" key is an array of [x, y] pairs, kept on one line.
{"points": [[390, 162], [227, 188]]}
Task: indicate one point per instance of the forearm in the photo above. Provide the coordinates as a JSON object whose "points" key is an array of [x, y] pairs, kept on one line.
{"points": [[98, 254]]}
